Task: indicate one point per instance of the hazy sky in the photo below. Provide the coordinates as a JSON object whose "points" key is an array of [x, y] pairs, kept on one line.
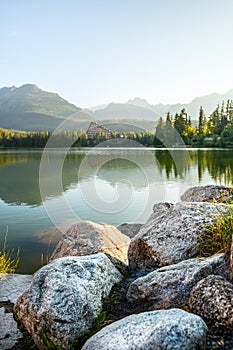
{"points": [[97, 51]]}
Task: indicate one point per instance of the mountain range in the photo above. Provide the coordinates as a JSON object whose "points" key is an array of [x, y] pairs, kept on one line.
{"points": [[208, 102], [30, 108]]}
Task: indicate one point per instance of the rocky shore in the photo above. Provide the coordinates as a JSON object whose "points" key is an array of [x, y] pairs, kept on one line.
{"points": [[132, 287]]}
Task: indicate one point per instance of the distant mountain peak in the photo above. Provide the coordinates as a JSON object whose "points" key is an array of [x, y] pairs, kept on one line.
{"points": [[29, 87], [6, 90], [139, 107], [30, 108], [138, 101]]}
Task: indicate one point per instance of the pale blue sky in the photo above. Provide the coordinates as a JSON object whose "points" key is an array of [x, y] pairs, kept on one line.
{"points": [[97, 51]]}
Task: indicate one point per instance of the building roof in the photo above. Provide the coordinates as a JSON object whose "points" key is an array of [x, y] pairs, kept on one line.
{"points": [[95, 128]]}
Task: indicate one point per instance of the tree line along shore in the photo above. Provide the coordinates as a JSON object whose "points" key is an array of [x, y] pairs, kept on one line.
{"points": [[215, 130]]}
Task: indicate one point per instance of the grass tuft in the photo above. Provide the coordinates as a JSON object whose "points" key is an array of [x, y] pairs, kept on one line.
{"points": [[217, 237], [8, 259]]}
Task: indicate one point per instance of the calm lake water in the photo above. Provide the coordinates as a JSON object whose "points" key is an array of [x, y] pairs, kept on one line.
{"points": [[102, 185]]}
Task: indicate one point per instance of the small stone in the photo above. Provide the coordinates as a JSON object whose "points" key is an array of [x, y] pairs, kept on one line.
{"points": [[162, 207], [129, 230]]}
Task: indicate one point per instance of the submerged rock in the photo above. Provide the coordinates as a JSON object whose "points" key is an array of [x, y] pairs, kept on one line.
{"points": [[170, 286], [65, 297], [212, 298], [172, 234], [164, 329], [86, 237], [209, 193]]}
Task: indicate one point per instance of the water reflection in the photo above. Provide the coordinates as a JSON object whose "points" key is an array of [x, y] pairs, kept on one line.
{"points": [[217, 163], [175, 163], [19, 182], [19, 176], [148, 176]]}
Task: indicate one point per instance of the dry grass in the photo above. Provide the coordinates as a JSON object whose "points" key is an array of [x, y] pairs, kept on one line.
{"points": [[217, 237], [8, 259]]}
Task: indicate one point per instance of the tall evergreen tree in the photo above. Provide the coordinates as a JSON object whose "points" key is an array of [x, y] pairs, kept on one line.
{"points": [[169, 136], [223, 116], [160, 132], [181, 121], [214, 124], [201, 121]]}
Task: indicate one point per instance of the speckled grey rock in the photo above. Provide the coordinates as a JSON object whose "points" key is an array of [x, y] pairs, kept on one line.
{"points": [[9, 332], [86, 237], [65, 297], [172, 234], [159, 210], [209, 193], [172, 329], [212, 298], [170, 286], [129, 230], [12, 285]]}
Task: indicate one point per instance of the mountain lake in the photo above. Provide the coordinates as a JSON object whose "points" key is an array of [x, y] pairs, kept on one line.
{"points": [[42, 193]]}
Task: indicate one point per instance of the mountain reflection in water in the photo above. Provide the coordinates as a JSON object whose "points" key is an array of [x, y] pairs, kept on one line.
{"points": [[135, 172]]}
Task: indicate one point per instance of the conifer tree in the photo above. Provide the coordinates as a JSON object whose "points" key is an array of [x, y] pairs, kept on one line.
{"points": [[201, 121]]}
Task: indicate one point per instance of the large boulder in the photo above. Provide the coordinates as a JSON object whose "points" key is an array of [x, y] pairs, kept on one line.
{"points": [[212, 298], [172, 234], [86, 237], [209, 193], [170, 286], [163, 329], [64, 299]]}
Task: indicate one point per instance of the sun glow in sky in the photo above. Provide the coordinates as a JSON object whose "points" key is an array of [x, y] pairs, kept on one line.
{"points": [[97, 51]]}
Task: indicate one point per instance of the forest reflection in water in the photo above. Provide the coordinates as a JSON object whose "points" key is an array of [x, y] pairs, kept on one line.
{"points": [[19, 171], [93, 180]]}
